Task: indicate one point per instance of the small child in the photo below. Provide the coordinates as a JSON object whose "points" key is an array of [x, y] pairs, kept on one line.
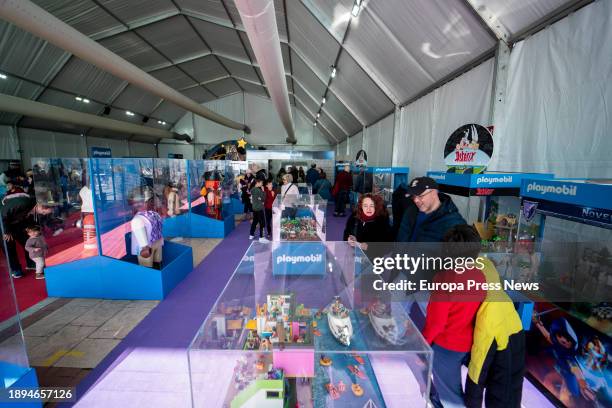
{"points": [[270, 196], [449, 324], [258, 198], [37, 249]]}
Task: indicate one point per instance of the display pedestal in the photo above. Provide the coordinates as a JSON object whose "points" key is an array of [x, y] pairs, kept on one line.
{"points": [[193, 225], [26, 380], [237, 206], [109, 278]]}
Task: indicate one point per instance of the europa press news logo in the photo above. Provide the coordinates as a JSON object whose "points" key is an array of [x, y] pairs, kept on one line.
{"points": [[294, 259], [547, 189]]}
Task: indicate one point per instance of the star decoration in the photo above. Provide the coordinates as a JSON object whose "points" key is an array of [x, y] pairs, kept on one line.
{"points": [[242, 142]]}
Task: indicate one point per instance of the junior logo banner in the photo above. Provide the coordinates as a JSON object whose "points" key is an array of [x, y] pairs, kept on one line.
{"points": [[299, 258]]}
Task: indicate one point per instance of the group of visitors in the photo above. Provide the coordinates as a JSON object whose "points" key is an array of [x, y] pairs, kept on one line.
{"points": [[482, 331]]}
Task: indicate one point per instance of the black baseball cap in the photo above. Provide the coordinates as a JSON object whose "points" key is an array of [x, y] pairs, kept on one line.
{"points": [[421, 184]]}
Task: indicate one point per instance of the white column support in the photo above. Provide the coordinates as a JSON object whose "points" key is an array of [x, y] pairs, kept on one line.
{"points": [[500, 82]]}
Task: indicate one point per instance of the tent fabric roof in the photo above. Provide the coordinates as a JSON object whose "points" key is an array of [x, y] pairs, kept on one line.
{"points": [[393, 51]]}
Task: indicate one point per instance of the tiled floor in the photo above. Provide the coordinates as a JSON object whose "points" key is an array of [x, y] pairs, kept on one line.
{"points": [[66, 338]]}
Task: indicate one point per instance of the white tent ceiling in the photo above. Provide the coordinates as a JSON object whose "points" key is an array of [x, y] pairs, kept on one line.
{"points": [[391, 53]]}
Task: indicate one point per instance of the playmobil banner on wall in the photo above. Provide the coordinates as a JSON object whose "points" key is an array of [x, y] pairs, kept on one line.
{"points": [[468, 149]]}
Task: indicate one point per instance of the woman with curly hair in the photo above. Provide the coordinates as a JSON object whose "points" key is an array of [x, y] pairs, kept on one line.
{"points": [[368, 223]]}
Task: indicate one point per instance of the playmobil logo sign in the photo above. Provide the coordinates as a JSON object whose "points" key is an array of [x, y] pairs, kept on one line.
{"points": [[294, 259], [542, 189], [595, 214], [489, 179]]}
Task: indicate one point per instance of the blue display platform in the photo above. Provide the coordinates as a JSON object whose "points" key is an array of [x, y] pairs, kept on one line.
{"points": [[196, 225], [237, 206], [19, 378], [485, 184], [109, 278]]}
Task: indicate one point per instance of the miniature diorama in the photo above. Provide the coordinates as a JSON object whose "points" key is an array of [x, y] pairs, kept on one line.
{"points": [[569, 231], [299, 218], [287, 340]]}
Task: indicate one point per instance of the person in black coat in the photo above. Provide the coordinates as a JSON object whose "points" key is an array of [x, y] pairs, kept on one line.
{"points": [[368, 223]]}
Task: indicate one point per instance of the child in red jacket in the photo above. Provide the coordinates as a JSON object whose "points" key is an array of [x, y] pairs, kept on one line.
{"points": [[449, 325]]}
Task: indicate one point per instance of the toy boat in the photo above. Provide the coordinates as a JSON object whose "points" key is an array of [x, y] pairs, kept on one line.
{"points": [[355, 370], [385, 319], [339, 322], [358, 358]]}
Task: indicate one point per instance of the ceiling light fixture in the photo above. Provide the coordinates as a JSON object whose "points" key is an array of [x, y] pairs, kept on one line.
{"points": [[334, 71], [129, 113], [161, 122], [3, 76], [314, 124], [356, 8], [318, 115], [85, 100], [323, 101], [78, 98]]}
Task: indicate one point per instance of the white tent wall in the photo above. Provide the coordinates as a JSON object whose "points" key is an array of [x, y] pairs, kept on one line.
{"points": [[378, 142], [355, 144], [559, 99], [138, 149], [9, 144], [426, 124], [119, 148], [43, 143], [166, 148], [341, 153]]}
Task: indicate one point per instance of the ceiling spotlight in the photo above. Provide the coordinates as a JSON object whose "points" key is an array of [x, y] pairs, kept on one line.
{"points": [[356, 8], [3, 76], [314, 124], [85, 100], [318, 115], [78, 98], [129, 113], [161, 122], [333, 71], [323, 101]]}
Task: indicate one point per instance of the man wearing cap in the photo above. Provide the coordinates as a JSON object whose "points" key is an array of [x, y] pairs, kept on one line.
{"points": [[432, 215]]}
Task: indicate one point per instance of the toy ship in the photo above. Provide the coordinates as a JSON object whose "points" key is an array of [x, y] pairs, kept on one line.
{"points": [[385, 324], [339, 322]]}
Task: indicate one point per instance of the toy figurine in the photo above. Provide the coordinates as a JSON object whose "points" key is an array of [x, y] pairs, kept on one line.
{"points": [[325, 361], [358, 358], [341, 387], [265, 345], [332, 390]]}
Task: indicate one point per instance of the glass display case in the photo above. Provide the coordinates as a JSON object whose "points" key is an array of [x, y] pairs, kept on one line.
{"points": [[490, 201], [62, 187], [299, 217], [15, 369], [287, 339], [565, 236]]}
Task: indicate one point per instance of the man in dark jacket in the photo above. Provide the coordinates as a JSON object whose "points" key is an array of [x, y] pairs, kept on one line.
{"points": [[432, 215], [344, 183], [312, 175], [18, 212]]}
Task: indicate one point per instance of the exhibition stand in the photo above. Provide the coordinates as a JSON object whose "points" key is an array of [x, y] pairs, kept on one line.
{"points": [[100, 264], [278, 339], [569, 223]]}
